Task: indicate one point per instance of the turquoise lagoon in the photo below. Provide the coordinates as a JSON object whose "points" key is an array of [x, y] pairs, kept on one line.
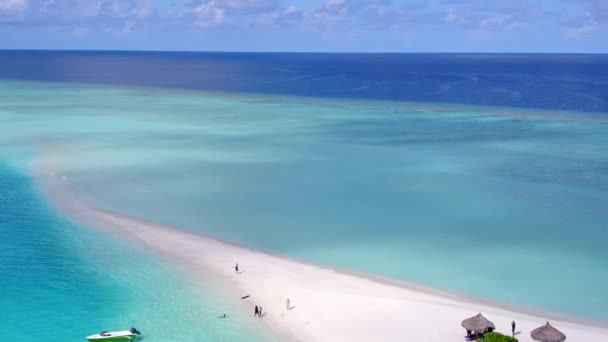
{"points": [[502, 204], [61, 282]]}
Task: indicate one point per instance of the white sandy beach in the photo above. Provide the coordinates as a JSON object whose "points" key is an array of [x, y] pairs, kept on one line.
{"points": [[327, 305]]}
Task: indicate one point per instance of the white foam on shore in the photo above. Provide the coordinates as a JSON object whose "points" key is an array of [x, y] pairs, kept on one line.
{"points": [[327, 305]]}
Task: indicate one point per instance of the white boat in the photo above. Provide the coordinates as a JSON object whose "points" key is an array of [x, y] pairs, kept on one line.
{"points": [[125, 335]]}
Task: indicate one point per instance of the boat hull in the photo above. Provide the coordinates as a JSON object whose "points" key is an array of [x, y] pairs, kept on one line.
{"points": [[112, 338]]}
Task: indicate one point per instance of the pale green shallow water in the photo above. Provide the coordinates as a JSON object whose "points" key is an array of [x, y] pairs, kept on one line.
{"points": [[507, 208]]}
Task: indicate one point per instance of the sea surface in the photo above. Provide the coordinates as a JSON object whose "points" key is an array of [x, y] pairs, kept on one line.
{"points": [[575, 82], [480, 174], [62, 282]]}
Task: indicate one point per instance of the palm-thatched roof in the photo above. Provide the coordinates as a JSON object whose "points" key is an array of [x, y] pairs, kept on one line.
{"points": [[547, 333], [477, 323]]}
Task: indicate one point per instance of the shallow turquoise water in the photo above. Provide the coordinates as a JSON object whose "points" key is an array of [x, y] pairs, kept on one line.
{"points": [[62, 282], [507, 207]]}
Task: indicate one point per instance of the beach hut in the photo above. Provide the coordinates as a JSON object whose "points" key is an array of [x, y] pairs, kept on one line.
{"points": [[547, 333], [478, 324]]}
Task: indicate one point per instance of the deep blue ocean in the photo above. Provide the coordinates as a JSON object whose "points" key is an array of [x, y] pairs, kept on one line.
{"points": [[577, 82]]}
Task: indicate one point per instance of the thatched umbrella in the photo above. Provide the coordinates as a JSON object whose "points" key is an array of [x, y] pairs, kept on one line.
{"points": [[548, 333], [477, 323]]}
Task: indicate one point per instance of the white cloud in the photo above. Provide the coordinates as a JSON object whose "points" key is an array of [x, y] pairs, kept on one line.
{"points": [[12, 5], [589, 26], [79, 9], [79, 31], [81, 17], [208, 15], [249, 4], [11, 8], [495, 20], [125, 28], [279, 15], [213, 13], [334, 2], [141, 9], [453, 17], [144, 10], [500, 22]]}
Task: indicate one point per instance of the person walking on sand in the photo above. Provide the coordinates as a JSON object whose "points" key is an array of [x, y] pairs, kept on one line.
{"points": [[256, 311], [288, 306], [513, 328], [260, 312], [236, 268]]}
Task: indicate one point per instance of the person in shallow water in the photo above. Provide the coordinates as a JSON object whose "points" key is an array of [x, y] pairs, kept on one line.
{"points": [[256, 311]]}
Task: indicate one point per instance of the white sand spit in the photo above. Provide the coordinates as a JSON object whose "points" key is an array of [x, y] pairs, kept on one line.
{"points": [[327, 305]]}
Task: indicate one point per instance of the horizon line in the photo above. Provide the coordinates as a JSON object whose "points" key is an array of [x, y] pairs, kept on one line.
{"points": [[310, 52]]}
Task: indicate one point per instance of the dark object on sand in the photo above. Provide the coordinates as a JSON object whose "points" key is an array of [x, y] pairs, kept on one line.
{"points": [[245, 297]]}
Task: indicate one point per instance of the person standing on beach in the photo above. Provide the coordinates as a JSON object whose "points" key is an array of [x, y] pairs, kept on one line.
{"points": [[236, 268], [256, 311], [513, 328], [260, 312], [288, 306]]}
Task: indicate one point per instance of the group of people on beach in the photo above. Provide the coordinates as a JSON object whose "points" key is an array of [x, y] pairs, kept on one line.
{"points": [[258, 308]]}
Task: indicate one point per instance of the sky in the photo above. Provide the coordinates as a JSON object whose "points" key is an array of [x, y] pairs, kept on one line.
{"points": [[307, 25]]}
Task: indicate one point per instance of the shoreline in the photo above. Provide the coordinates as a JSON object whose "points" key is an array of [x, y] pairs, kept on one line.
{"points": [[330, 305]]}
